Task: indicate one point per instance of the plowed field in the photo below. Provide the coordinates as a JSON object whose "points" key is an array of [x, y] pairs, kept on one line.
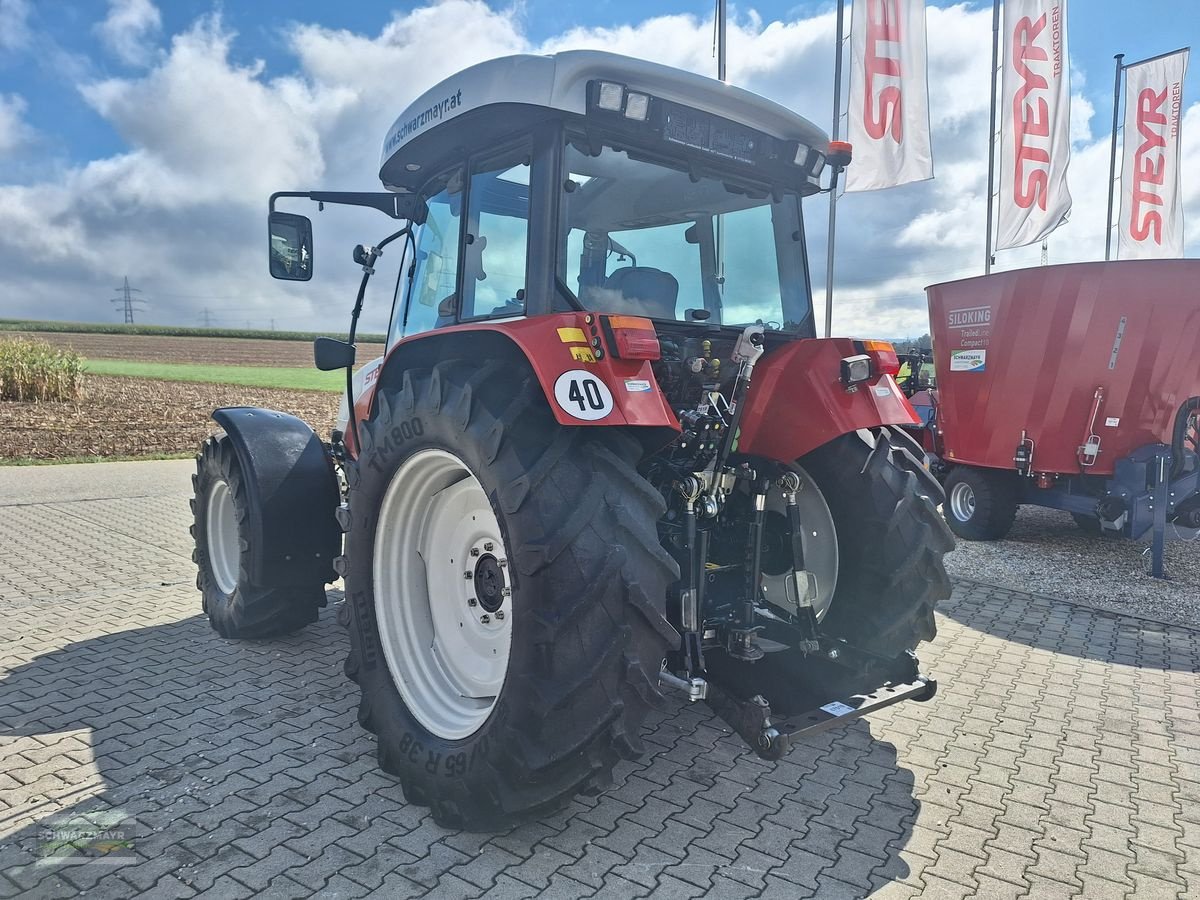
{"points": [[135, 416]]}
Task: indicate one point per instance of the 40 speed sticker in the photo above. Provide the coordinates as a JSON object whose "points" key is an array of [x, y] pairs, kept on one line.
{"points": [[581, 395]]}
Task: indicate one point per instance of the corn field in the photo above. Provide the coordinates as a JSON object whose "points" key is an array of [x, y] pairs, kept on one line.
{"points": [[32, 370]]}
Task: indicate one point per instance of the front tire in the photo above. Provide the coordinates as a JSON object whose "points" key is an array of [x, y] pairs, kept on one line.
{"points": [[236, 607], [981, 504], [581, 586]]}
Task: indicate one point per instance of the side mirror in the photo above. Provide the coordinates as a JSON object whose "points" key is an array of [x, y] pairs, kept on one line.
{"points": [[330, 354], [290, 250]]}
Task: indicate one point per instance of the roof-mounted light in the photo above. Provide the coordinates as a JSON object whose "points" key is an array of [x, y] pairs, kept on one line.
{"points": [[801, 157], [637, 106], [611, 96]]}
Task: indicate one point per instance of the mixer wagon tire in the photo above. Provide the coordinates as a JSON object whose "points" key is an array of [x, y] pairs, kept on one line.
{"points": [[981, 504], [506, 595], [236, 607], [891, 541]]}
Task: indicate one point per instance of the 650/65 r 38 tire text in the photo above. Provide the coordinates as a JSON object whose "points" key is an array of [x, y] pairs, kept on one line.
{"points": [[236, 607], [506, 592]]}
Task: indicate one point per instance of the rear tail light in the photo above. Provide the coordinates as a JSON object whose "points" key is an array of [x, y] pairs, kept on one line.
{"points": [[883, 356], [633, 337]]}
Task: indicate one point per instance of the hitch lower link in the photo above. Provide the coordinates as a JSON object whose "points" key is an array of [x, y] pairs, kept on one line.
{"points": [[772, 737]]}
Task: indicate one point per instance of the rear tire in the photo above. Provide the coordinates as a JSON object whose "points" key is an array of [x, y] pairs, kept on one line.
{"points": [[236, 607], [587, 580], [981, 504], [891, 541]]}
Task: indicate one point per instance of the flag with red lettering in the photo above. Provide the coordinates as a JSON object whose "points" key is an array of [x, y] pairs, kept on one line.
{"points": [[888, 114], [1151, 222], [1035, 122]]}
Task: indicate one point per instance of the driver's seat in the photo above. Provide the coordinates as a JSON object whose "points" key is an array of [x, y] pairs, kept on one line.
{"points": [[652, 291]]}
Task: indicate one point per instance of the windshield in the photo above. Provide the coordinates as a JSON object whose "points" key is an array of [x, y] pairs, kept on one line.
{"points": [[646, 239]]}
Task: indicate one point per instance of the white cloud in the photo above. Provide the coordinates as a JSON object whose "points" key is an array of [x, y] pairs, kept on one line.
{"points": [[14, 30], [13, 130], [181, 211], [129, 30]]}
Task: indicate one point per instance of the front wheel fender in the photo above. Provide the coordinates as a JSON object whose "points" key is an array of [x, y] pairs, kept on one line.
{"points": [[293, 493]]}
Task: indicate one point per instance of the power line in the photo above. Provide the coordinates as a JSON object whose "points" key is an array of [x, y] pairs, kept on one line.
{"points": [[127, 300]]}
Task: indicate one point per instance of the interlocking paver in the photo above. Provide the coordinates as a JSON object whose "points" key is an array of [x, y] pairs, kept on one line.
{"points": [[1059, 758]]}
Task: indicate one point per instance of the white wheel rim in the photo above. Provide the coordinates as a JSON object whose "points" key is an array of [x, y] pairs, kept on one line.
{"points": [[962, 501], [441, 595], [223, 545]]}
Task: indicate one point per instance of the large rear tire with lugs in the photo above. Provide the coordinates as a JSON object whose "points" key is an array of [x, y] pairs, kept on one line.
{"points": [[505, 595], [891, 540], [236, 606]]}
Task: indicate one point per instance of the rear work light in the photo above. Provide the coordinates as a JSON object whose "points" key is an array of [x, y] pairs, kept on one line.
{"points": [[611, 96], [632, 337], [855, 370], [883, 356]]}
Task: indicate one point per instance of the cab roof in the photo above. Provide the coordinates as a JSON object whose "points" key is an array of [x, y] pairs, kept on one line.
{"points": [[558, 84]]}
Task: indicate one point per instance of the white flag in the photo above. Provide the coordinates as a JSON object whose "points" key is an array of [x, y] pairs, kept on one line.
{"points": [[889, 95], [1035, 116], [1151, 222]]}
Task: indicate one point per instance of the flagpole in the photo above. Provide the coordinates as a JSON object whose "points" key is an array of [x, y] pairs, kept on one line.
{"points": [[837, 120], [987, 255], [720, 40], [1112, 156]]}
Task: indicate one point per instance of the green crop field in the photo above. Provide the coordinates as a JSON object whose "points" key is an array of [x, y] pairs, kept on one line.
{"points": [[306, 379], [171, 331]]}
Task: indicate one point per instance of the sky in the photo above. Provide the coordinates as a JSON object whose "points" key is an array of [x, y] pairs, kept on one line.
{"points": [[142, 139]]}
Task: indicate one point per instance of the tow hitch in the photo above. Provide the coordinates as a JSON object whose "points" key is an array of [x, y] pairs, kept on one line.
{"points": [[771, 738], [828, 685]]}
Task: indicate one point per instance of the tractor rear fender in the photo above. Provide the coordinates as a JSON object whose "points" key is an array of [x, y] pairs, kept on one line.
{"points": [[289, 478], [583, 381], [798, 402]]}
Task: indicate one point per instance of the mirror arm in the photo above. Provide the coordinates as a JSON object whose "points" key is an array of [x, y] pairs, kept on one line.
{"points": [[368, 270], [398, 206]]}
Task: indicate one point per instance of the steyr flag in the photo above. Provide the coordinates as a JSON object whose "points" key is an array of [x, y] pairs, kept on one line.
{"points": [[1035, 115], [1151, 222], [889, 95]]}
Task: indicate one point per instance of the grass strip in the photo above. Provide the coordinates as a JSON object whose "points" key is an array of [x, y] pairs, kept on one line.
{"points": [[70, 460], [300, 379]]}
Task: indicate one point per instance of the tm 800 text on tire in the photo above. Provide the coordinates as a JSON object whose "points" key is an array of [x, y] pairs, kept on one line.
{"points": [[506, 594]]}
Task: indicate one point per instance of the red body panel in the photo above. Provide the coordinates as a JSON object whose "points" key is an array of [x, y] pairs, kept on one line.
{"points": [[797, 401], [550, 354], [1049, 336]]}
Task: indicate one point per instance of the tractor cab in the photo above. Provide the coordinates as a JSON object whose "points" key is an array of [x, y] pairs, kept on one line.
{"points": [[587, 181]]}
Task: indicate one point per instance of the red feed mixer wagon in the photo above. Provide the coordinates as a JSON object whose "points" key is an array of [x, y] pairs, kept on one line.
{"points": [[1074, 387]]}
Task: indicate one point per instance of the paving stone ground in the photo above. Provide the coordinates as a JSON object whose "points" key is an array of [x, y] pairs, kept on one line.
{"points": [[1061, 756]]}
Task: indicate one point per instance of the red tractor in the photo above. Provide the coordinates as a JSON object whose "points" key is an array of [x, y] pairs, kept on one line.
{"points": [[605, 455]]}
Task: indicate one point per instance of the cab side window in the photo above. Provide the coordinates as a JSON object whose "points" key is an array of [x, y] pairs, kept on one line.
{"points": [[497, 237], [431, 296]]}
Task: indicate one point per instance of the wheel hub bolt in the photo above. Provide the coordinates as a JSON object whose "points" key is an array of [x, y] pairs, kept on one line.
{"points": [[499, 614], [485, 618], [474, 551], [471, 601], [468, 575], [502, 562], [488, 546], [506, 592]]}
